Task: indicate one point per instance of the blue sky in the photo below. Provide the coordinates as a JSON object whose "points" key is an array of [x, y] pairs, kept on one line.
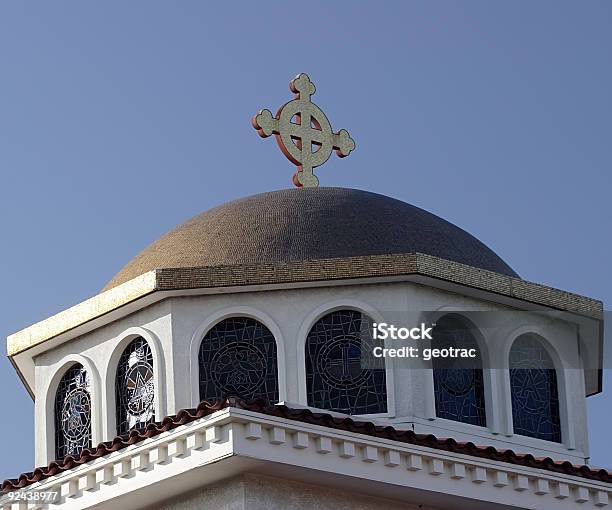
{"points": [[119, 120]]}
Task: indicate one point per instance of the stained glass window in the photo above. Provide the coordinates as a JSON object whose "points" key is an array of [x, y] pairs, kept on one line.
{"points": [[458, 382], [73, 413], [134, 387], [238, 358], [337, 377], [533, 384]]}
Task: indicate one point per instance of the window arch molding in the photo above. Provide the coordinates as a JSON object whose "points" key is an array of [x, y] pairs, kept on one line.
{"points": [[566, 422], [535, 330], [307, 324], [491, 411], [48, 414], [227, 313], [473, 323], [109, 399]]}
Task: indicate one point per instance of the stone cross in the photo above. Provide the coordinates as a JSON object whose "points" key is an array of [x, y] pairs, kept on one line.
{"points": [[303, 132]]}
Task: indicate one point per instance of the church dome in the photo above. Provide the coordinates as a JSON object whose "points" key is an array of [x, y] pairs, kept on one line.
{"points": [[309, 223]]}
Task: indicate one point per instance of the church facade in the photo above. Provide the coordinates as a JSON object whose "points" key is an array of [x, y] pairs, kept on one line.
{"points": [[227, 366]]}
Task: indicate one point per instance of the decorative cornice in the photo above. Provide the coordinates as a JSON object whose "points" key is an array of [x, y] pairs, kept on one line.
{"points": [[300, 272], [191, 429], [194, 439]]}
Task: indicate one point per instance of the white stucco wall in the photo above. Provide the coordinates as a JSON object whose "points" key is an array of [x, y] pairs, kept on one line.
{"points": [[252, 492], [175, 326]]}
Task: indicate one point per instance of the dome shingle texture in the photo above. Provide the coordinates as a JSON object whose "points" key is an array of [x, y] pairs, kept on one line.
{"points": [[303, 224]]}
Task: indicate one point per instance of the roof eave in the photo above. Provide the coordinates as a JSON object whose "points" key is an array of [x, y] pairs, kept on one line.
{"points": [[162, 283]]}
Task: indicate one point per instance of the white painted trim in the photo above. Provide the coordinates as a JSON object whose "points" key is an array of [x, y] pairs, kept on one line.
{"points": [[235, 440], [48, 416], [159, 371], [309, 321], [220, 315], [491, 409], [567, 430]]}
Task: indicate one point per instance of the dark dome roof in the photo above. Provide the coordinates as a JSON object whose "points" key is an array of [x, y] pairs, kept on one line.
{"points": [[309, 223]]}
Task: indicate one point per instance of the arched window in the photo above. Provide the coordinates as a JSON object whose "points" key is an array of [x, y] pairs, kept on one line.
{"points": [[238, 358], [458, 384], [134, 387], [533, 384], [341, 373], [73, 413]]}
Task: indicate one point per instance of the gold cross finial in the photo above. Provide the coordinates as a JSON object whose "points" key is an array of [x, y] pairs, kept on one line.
{"points": [[303, 132]]}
